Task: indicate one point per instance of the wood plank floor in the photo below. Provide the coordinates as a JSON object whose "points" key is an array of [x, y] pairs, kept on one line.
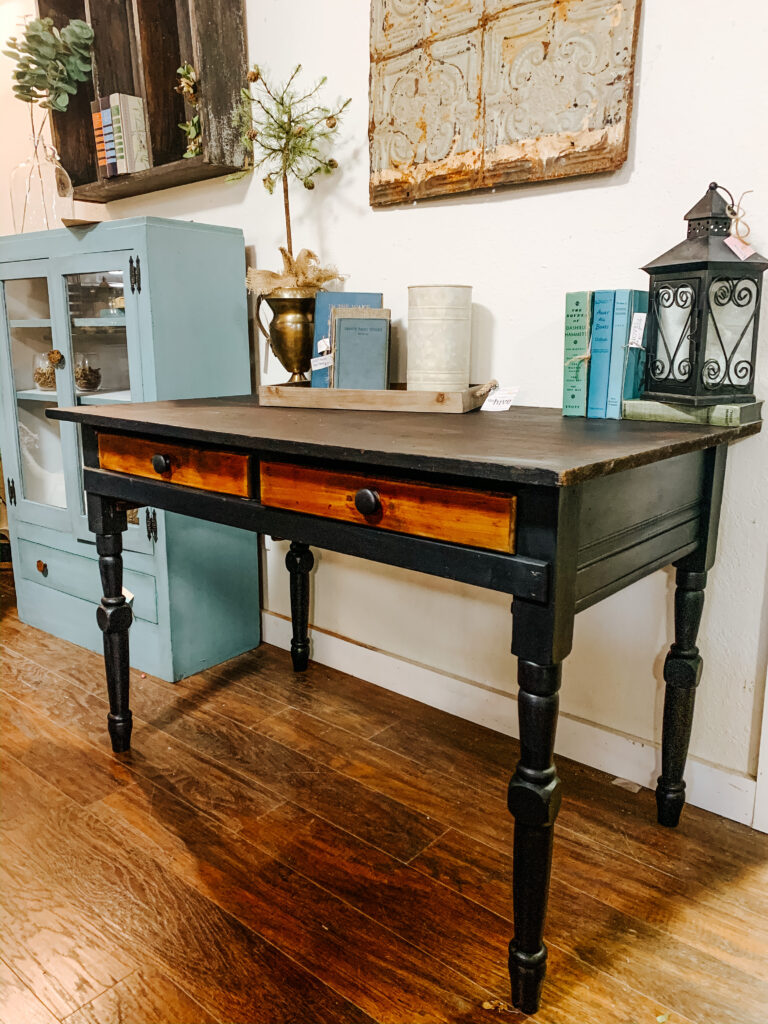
{"points": [[281, 848]]}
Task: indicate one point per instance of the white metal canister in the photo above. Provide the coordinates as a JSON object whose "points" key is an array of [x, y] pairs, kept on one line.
{"points": [[439, 333]]}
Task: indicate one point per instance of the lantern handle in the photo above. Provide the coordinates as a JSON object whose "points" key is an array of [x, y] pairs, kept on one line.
{"points": [[735, 211]]}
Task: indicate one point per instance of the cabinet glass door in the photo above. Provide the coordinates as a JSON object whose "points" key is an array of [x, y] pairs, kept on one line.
{"points": [[35, 372], [102, 320]]}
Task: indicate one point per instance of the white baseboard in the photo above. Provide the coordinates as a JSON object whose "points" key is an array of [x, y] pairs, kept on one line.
{"points": [[714, 789]]}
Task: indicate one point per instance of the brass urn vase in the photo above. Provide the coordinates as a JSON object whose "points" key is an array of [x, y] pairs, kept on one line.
{"points": [[292, 329]]}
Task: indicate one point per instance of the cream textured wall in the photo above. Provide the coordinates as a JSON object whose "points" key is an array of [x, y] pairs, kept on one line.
{"points": [[698, 92]]}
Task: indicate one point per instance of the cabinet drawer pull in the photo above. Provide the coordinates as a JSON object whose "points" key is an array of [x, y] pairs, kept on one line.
{"points": [[42, 567], [367, 501], [161, 464]]}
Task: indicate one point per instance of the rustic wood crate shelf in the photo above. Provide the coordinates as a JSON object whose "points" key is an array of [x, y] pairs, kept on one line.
{"points": [[138, 45]]}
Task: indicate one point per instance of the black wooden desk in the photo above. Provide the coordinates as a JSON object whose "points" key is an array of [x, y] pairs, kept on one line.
{"points": [[558, 513]]}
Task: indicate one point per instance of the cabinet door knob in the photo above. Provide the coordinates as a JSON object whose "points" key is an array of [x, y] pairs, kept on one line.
{"points": [[42, 567], [367, 502], [161, 464]]}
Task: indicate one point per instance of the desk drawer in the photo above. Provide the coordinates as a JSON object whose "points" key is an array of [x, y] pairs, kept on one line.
{"points": [[225, 472], [459, 515]]}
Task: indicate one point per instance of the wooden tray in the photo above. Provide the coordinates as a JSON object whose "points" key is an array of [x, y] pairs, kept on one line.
{"points": [[395, 400]]}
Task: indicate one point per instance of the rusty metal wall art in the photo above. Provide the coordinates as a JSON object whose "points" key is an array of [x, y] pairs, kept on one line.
{"points": [[469, 94]]}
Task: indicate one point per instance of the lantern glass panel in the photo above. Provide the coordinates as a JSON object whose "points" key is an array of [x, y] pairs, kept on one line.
{"points": [[675, 305], [731, 305]]}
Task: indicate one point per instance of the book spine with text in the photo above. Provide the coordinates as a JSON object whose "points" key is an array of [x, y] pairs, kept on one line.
{"points": [[600, 353], [117, 131], [98, 134], [578, 313], [109, 136], [622, 319]]}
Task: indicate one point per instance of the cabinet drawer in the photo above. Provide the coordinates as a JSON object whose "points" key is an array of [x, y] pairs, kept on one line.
{"points": [[480, 519], [79, 576], [225, 472]]}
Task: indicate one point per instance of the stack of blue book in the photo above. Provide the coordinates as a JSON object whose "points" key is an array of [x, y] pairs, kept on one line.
{"points": [[604, 365], [325, 303]]}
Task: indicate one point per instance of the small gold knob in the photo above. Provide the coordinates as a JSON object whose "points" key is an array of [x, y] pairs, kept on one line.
{"points": [[42, 567], [55, 358]]}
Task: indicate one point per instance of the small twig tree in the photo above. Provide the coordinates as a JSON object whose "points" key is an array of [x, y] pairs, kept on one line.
{"points": [[287, 132]]}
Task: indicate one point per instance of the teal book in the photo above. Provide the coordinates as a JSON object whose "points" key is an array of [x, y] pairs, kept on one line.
{"points": [[324, 304], [600, 353], [361, 349], [634, 375], [578, 315], [626, 361]]}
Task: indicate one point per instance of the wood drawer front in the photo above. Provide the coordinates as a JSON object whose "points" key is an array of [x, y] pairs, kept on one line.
{"points": [[455, 514], [79, 576], [224, 472]]}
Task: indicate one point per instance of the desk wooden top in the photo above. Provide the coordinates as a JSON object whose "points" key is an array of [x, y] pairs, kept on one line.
{"points": [[526, 444]]}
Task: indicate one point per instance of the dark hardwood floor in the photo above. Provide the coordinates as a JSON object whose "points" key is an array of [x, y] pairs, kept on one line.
{"points": [[281, 848]]}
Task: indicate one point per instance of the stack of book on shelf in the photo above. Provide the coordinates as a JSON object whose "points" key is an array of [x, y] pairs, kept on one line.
{"points": [[604, 353], [120, 130], [351, 344]]}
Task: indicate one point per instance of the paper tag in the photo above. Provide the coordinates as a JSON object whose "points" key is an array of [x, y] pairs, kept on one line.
{"points": [[741, 249], [637, 330], [324, 346], [321, 362], [631, 787], [499, 400], [128, 596]]}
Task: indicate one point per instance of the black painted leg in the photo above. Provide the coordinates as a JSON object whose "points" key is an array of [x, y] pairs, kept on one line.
{"points": [[682, 671], [534, 800], [299, 562], [113, 615]]}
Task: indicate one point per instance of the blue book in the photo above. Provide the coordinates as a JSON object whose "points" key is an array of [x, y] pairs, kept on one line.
{"points": [[600, 354], [626, 362], [324, 303], [634, 375], [361, 349]]}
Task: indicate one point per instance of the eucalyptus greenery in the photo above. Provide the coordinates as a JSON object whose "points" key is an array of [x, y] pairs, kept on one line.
{"points": [[50, 63], [287, 132]]}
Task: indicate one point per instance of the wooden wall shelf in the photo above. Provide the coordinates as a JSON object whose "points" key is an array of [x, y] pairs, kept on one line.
{"points": [[138, 45], [178, 172]]}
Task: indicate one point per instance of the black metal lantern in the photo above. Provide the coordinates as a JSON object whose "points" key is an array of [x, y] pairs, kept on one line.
{"points": [[703, 313]]}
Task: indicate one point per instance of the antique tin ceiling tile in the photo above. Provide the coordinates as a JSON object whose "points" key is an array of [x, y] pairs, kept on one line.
{"points": [[472, 93]]}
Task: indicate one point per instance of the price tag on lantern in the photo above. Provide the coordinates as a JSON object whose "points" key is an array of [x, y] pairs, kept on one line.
{"points": [[499, 400], [739, 247]]}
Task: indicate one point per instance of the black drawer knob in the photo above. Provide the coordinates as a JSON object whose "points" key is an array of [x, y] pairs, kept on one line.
{"points": [[367, 502], [161, 464]]}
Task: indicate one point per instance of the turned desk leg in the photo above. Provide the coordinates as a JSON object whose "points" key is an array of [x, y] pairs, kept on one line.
{"points": [[113, 615], [534, 800], [299, 562], [682, 672]]}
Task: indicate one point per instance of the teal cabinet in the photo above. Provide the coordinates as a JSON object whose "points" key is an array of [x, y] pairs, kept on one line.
{"points": [[126, 311]]}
